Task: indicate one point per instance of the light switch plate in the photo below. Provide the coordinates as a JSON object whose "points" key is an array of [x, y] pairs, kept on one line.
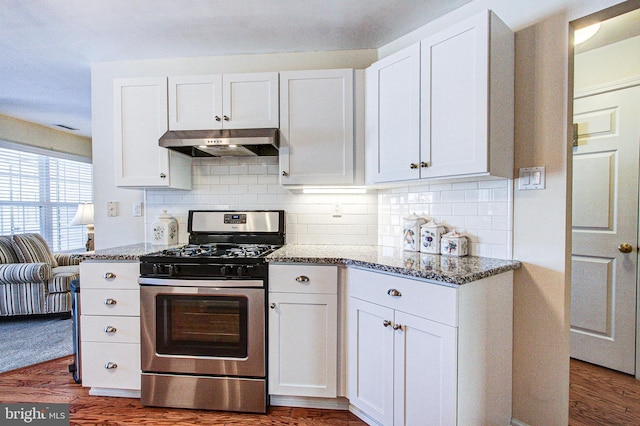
{"points": [[112, 208], [137, 209], [531, 178]]}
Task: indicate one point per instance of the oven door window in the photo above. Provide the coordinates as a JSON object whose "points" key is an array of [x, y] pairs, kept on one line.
{"points": [[200, 325]]}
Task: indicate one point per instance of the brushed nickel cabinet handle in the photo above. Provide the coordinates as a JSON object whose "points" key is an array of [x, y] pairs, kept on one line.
{"points": [[109, 275], [218, 118], [111, 365], [226, 118], [386, 323], [272, 306], [285, 173], [163, 176], [110, 301], [398, 327], [302, 279], [413, 166], [394, 293], [110, 329], [424, 164]]}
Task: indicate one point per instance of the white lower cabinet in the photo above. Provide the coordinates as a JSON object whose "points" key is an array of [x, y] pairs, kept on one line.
{"points": [[110, 327], [425, 354], [303, 326]]}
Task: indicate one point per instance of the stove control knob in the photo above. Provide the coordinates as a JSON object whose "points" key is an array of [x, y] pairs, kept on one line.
{"points": [[223, 271], [241, 270]]}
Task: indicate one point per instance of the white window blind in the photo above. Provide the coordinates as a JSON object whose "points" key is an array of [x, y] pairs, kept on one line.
{"points": [[40, 193]]}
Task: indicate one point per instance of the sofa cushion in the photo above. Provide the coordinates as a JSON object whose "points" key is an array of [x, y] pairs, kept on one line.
{"points": [[7, 253], [33, 248]]}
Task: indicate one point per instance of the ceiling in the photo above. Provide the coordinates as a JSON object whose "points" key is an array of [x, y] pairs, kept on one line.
{"points": [[47, 46]]}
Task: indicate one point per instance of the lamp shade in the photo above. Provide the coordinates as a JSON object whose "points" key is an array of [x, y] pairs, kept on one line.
{"points": [[84, 215]]}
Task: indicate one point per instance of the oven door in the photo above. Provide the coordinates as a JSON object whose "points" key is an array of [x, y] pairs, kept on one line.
{"points": [[203, 330]]}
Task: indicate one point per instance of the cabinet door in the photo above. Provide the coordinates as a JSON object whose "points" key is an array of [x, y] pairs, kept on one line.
{"points": [[425, 377], [370, 360], [455, 99], [303, 344], [393, 117], [195, 102], [250, 100], [316, 127], [140, 119]]}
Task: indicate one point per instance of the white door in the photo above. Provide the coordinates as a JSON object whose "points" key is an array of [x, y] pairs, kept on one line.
{"points": [[605, 218], [195, 102], [393, 116], [371, 359], [425, 372], [302, 344], [250, 101]]}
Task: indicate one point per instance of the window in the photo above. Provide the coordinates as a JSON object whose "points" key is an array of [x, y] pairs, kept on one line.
{"points": [[40, 192]]}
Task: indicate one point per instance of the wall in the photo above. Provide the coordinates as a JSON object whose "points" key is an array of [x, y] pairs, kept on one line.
{"points": [[26, 133], [252, 183], [124, 228], [481, 209]]}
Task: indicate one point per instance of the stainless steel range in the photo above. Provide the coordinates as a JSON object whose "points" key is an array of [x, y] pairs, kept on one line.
{"points": [[203, 313]]}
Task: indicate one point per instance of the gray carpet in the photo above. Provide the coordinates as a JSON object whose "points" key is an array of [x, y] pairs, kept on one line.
{"points": [[30, 340]]}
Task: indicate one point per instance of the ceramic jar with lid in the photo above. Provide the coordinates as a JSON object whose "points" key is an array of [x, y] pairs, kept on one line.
{"points": [[454, 244], [411, 232], [165, 229], [430, 234]]}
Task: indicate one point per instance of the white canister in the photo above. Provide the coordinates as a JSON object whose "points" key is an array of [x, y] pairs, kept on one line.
{"points": [[430, 234], [411, 232], [165, 229], [454, 244]]}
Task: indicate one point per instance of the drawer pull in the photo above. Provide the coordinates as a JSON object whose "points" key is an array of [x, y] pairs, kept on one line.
{"points": [[302, 279], [398, 327], [109, 329], [111, 365], [109, 275], [110, 301], [394, 293], [386, 323]]}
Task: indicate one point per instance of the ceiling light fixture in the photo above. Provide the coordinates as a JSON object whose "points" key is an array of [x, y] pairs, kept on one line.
{"points": [[583, 34]]}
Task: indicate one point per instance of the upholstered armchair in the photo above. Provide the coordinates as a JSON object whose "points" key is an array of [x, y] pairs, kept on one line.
{"points": [[33, 280]]}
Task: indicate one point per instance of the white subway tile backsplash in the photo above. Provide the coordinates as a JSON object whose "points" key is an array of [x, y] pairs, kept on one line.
{"points": [[480, 208]]}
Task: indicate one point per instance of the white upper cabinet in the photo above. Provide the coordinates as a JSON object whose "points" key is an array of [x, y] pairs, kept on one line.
{"points": [[140, 119], [317, 127], [229, 101], [393, 116], [455, 119], [467, 99]]}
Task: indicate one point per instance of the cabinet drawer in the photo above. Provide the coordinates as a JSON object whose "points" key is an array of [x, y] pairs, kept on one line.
{"points": [[125, 363], [122, 275], [110, 329], [303, 279], [110, 302], [420, 298]]}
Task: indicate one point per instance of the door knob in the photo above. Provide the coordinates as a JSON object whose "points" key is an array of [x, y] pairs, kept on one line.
{"points": [[625, 248]]}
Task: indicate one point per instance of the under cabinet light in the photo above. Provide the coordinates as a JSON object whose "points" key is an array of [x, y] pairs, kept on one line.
{"points": [[583, 34], [334, 190]]}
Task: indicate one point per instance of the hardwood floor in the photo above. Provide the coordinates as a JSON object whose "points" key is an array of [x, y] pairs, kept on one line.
{"points": [[50, 382], [599, 396]]}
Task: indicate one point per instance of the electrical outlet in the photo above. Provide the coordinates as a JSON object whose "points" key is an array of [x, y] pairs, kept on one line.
{"points": [[137, 209], [112, 208]]}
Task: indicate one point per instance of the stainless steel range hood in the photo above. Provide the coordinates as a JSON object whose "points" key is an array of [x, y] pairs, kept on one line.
{"points": [[222, 143]]}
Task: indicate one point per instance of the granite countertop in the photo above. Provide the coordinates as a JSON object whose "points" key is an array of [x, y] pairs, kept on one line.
{"points": [[130, 252], [445, 269]]}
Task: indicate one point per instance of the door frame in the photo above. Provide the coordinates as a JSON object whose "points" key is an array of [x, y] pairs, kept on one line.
{"points": [[600, 16]]}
